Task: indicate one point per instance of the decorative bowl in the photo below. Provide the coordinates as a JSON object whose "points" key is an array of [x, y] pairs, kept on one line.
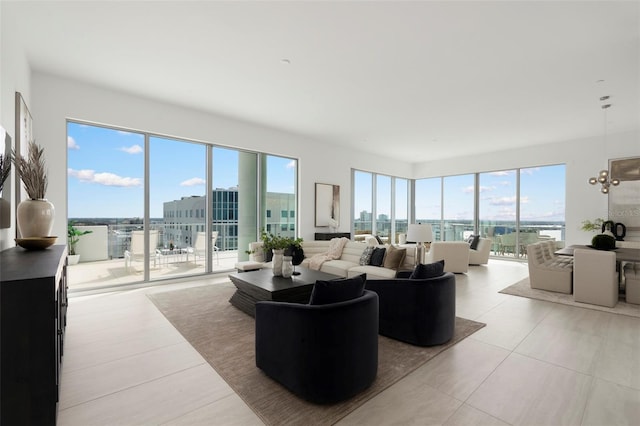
{"points": [[36, 243]]}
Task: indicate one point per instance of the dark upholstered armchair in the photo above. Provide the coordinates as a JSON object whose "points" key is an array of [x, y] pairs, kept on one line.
{"points": [[322, 353], [417, 311]]}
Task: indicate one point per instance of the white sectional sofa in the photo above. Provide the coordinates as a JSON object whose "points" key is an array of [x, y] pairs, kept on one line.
{"points": [[348, 264]]}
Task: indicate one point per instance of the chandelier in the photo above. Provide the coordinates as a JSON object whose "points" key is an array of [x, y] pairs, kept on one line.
{"points": [[603, 177]]}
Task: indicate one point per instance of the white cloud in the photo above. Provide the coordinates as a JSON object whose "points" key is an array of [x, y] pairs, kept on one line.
{"points": [[291, 164], [487, 188], [71, 143], [501, 173], [468, 189], [503, 201], [133, 149], [193, 182], [105, 178]]}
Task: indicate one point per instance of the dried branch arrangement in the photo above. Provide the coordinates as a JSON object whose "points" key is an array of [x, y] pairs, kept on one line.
{"points": [[32, 171], [5, 168]]}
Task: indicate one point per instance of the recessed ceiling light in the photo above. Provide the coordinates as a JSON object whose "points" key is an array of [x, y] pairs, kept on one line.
{"points": [[285, 61]]}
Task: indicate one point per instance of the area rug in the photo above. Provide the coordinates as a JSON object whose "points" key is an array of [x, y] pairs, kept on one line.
{"points": [[523, 289], [224, 336]]}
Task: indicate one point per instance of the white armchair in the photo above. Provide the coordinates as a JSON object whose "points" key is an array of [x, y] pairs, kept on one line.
{"points": [[454, 253], [595, 279], [480, 256], [548, 273]]}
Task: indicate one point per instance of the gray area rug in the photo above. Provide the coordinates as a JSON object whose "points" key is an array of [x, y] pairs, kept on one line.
{"points": [[523, 289], [224, 336]]}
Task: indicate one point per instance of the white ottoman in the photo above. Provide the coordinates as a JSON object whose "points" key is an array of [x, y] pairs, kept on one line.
{"points": [[632, 279]]}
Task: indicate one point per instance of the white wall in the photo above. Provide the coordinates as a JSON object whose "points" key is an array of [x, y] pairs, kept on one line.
{"points": [[15, 76], [56, 99], [583, 159]]}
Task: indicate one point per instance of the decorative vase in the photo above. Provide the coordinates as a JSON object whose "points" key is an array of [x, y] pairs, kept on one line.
{"points": [[35, 218], [287, 267], [277, 262]]}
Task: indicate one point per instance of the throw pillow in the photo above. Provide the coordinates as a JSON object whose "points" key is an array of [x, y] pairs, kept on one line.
{"points": [[394, 258], [377, 257], [340, 290], [429, 270], [366, 256], [473, 241]]}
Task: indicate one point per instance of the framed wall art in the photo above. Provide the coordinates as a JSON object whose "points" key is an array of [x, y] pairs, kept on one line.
{"points": [[327, 205], [5, 175], [624, 199]]}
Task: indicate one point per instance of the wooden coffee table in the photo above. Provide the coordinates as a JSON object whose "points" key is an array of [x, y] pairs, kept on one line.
{"points": [[255, 286]]}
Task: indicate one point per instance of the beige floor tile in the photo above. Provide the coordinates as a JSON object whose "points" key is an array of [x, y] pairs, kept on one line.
{"points": [[612, 404], [408, 402], [564, 347], [582, 320], [462, 368], [619, 362], [505, 333], [154, 402], [525, 391], [81, 386], [469, 416], [227, 411]]}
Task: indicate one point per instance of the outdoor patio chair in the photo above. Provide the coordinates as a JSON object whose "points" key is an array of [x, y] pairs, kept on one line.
{"points": [[200, 246], [136, 248]]}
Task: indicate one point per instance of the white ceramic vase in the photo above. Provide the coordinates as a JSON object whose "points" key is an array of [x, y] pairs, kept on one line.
{"points": [[277, 262], [287, 267], [35, 218]]}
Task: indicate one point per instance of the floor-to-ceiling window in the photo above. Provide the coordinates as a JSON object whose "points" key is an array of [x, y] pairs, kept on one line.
{"points": [[401, 208], [514, 207], [105, 193], [380, 205], [280, 205], [458, 200], [498, 209], [542, 204], [383, 207], [362, 203], [428, 204], [202, 203]]}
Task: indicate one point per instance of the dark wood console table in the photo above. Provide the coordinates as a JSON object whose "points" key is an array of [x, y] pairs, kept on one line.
{"points": [[326, 236], [33, 303]]}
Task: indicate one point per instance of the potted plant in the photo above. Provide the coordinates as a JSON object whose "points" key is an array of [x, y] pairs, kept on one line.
{"points": [[35, 215], [5, 206], [73, 236]]}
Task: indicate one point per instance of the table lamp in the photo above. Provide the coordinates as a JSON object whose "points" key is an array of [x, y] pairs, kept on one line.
{"points": [[420, 233]]}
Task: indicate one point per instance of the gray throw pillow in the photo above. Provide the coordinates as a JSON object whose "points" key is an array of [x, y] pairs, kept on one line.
{"points": [[366, 256], [377, 257]]}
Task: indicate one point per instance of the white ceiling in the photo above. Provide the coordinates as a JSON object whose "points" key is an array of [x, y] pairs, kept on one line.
{"points": [[415, 80]]}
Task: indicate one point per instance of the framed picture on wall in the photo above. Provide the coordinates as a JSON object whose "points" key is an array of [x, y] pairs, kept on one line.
{"points": [[327, 205], [624, 199], [5, 175], [24, 135]]}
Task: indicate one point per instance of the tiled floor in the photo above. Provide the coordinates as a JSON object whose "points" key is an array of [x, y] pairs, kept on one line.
{"points": [[536, 363]]}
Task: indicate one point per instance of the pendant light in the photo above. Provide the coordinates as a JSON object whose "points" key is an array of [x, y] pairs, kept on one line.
{"points": [[603, 177]]}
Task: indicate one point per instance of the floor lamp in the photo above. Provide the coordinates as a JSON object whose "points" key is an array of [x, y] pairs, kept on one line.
{"points": [[420, 233]]}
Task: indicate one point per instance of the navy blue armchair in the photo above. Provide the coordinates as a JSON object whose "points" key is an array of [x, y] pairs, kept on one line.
{"points": [[322, 353], [417, 311]]}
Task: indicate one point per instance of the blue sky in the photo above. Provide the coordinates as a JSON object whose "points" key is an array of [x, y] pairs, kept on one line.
{"points": [[105, 171]]}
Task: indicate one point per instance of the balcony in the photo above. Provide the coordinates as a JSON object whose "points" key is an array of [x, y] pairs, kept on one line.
{"points": [[103, 263]]}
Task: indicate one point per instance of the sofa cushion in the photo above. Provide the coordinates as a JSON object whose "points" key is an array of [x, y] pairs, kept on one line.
{"points": [[377, 257], [373, 272], [334, 291], [429, 270], [394, 257], [473, 241], [366, 255]]}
